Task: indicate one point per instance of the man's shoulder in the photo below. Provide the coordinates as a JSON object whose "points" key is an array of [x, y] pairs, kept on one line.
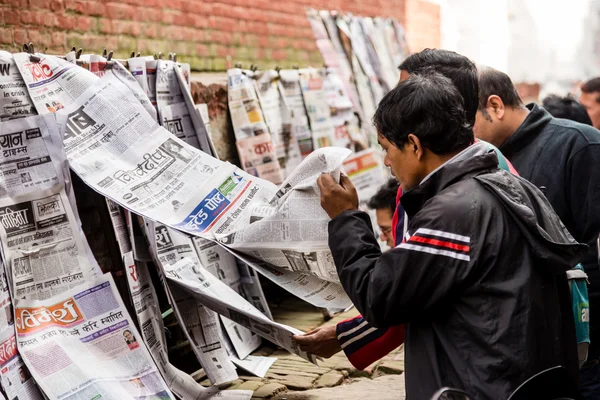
{"points": [[579, 133], [458, 200]]}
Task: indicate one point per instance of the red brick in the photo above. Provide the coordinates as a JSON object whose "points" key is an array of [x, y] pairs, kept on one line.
{"points": [[120, 11], [59, 39], [20, 36], [40, 3], [6, 36], [202, 50], [11, 17]]}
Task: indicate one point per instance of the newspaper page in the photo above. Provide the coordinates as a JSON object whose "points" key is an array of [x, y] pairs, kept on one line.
{"points": [[137, 67], [376, 34], [278, 119], [246, 115], [361, 51], [14, 375], [218, 297], [172, 246], [53, 83], [255, 365], [258, 158], [140, 94], [42, 243], [366, 173], [186, 73], [168, 90], [291, 93], [152, 329], [151, 69], [117, 217], [14, 97], [176, 119], [82, 344], [315, 99]]}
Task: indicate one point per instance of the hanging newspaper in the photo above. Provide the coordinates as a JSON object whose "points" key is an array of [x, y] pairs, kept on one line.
{"points": [[217, 296], [366, 173], [359, 45], [168, 90], [150, 320], [42, 244], [130, 159], [172, 246], [83, 344], [151, 70], [315, 99], [14, 97], [14, 375], [53, 83], [289, 87]]}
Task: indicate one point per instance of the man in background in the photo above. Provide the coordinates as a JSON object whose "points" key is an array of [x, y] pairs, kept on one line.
{"points": [[590, 98], [562, 158], [384, 204], [566, 108]]}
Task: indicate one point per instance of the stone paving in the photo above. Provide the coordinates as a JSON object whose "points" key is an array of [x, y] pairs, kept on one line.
{"points": [[292, 378]]}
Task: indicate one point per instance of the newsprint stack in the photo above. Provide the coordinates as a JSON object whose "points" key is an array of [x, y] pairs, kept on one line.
{"points": [[130, 130]]}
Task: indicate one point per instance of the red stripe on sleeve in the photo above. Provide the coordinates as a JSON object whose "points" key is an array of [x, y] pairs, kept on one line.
{"points": [[439, 243]]}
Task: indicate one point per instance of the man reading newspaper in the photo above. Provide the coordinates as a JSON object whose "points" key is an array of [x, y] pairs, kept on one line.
{"points": [[478, 239]]}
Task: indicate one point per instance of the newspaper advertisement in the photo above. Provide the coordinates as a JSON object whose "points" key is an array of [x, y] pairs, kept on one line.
{"points": [[28, 161], [246, 115], [289, 87], [53, 83], [278, 119], [82, 344], [14, 375], [172, 246], [212, 293], [366, 173], [42, 244], [14, 97], [168, 90], [152, 329]]}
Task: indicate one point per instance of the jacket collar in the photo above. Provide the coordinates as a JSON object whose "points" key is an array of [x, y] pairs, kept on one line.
{"points": [[529, 130], [470, 162]]}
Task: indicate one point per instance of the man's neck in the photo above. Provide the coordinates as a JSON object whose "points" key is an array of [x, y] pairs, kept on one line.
{"points": [[435, 161], [513, 120]]}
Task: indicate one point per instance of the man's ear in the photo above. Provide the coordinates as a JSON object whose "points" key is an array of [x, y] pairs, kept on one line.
{"points": [[415, 146], [495, 102]]}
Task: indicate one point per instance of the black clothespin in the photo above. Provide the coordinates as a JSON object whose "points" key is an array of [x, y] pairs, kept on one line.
{"points": [[277, 69], [138, 54], [78, 54], [295, 66], [160, 56], [254, 68], [109, 60], [132, 54], [104, 53], [110, 56], [170, 56], [73, 49], [174, 57], [238, 65]]}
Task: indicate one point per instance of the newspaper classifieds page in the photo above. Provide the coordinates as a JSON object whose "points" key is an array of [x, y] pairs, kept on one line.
{"points": [[212, 293], [53, 83], [14, 375], [82, 344], [172, 246], [42, 243], [14, 97], [289, 87], [152, 329]]}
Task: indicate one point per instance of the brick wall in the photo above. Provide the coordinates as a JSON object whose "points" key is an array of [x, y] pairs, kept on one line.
{"points": [[201, 32]]}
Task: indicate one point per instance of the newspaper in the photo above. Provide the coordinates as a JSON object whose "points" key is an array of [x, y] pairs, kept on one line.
{"points": [[140, 94], [255, 365], [258, 157], [42, 244], [246, 115], [186, 72], [168, 90], [83, 344], [14, 97], [176, 119], [279, 120], [366, 173], [119, 151], [53, 83], [14, 375], [117, 217], [315, 99], [218, 297], [375, 32], [150, 320], [172, 246], [137, 67], [289, 87], [151, 69], [359, 45]]}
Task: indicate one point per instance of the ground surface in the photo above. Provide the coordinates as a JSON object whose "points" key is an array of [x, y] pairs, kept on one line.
{"points": [[292, 378]]}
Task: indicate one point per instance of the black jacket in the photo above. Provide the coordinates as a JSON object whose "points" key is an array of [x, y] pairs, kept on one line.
{"points": [[478, 281], [564, 157]]}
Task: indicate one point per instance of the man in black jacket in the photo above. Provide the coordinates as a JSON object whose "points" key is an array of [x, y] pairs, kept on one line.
{"points": [[563, 158], [479, 276]]}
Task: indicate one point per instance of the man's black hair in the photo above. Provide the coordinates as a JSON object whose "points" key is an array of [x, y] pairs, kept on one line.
{"points": [[494, 82], [385, 198], [458, 68], [429, 106], [592, 86], [567, 108]]}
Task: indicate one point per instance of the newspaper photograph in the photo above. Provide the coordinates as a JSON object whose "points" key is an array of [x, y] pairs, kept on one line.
{"points": [[53, 83], [152, 329], [82, 344], [246, 115], [259, 158], [14, 97], [172, 246], [366, 172], [279, 121], [42, 244], [291, 94], [212, 293], [28, 160], [15, 377]]}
